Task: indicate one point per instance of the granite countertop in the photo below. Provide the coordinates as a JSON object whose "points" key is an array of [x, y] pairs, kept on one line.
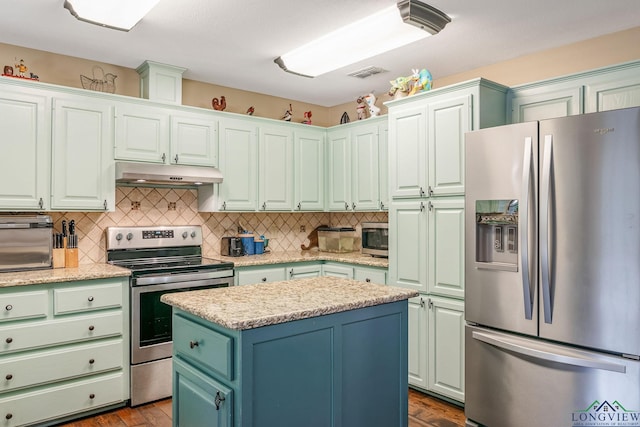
{"points": [[307, 256], [55, 275], [253, 306]]}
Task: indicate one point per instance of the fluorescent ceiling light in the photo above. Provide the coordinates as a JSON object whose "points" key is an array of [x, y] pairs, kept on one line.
{"points": [[117, 14], [381, 32]]}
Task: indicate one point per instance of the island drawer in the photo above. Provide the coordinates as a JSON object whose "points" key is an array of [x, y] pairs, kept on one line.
{"points": [[45, 334], [70, 398], [23, 305], [87, 298], [203, 346], [47, 366]]}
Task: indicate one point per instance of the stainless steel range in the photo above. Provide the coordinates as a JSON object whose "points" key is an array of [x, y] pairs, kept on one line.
{"points": [[161, 260]]}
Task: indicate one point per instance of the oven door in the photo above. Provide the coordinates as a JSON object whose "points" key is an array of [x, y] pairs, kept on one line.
{"points": [[151, 319]]}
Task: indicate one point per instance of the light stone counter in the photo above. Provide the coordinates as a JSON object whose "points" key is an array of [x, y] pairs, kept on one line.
{"points": [[55, 275], [307, 256], [253, 306]]}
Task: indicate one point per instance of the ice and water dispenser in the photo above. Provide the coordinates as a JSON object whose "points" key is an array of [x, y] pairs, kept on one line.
{"points": [[497, 234]]}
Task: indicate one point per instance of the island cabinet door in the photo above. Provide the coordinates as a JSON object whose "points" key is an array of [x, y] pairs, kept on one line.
{"points": [[198, 400]]}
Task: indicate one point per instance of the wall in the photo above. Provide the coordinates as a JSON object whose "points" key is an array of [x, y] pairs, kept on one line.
{"points": [[164, 206]]}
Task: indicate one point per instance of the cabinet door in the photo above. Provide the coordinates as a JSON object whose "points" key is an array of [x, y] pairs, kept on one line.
{"points": [[142, 133], [238, 163], [383, 165], [547, 105], [26, 152], [82, 158], [408, 237], [446, 247], [199, 400], [612, 95], [261, 275], [309, 170], [449, 120], [302, 271], [418, 330], [337, 270], [408, 152], [370, 275], [365, 187], [446, 347], [194, 140], [276, 170], [338, 171]]}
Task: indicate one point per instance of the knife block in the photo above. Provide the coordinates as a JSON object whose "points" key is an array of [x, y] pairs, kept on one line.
{"points": [[58, 256], [71, 258]]}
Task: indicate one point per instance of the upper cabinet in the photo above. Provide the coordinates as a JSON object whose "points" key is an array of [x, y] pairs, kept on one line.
{"points": [[25, 144], [159, 135], [426, 136], [83, 175], [275, 165], [308, 164], [617, 89], [546, 103]]}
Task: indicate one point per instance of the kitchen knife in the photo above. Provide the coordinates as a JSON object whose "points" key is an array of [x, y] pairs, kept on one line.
{"points": [[72, 227], [64, 228]]}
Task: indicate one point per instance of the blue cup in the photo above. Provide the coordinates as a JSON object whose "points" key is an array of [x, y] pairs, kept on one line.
{"points": [[248, 244], [259, 246]]}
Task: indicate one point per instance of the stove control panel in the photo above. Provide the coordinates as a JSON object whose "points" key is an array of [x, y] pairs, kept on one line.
{"points": [[146, 237], [157, 234]]}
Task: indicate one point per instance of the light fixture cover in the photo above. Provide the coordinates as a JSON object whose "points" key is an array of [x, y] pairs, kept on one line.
{"points": [[117, 14]]}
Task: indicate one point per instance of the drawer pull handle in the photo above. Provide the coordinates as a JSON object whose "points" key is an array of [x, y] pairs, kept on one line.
{"points": [[92, 396], [92, 361], [367, 280], [9, 377], [90, 299], [218, 400], [9, 340], [9, 307], [9, 416], [91, 328], [193, 344], [264, 279]]}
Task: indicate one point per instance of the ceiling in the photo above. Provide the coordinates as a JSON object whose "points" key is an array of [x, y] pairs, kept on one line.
{"points": [[233, 43]]}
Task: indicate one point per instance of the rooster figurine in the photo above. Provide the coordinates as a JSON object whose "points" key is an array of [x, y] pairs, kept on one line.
{"points": [[219, 105], [251, 110], [288, 115]]}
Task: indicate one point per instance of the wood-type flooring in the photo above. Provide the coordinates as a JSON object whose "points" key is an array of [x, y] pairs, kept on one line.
{"points": [[424, 411]]}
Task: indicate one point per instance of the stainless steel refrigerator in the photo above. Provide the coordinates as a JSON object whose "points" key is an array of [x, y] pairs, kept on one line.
{"points": [[552, 298]]}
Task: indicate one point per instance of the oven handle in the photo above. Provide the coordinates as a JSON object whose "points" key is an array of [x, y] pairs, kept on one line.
{"points": [[157, 279]]}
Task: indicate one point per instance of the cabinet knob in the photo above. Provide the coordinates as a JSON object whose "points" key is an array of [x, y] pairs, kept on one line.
{"points": [[193, 344], [421, 302], [264, 279], [9, 307], [92, 361], [92, 396], [176, 158], [367, 280], [264, 206], [218, 400], [9, 377], [9, 340], [90, 299], [299, 206], [353, 205], [9, 416], [346, 206], [91, 327]]}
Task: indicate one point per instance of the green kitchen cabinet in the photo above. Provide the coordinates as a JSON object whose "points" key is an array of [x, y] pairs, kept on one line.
{"points": [[383, 164], [408, 244], [238, 157], [446, 247], [336, 269], [418, 342], [370, 274], [338, 170], [617, 88], [24, 125], [309, 155], [83, 168], [275, 168], [142, 133], [194, 139], [408, 151], [260, 274], [299, 271], [365, 168], [546, 103]]}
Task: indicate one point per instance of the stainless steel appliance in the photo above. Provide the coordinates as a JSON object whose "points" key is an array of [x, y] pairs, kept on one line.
{"points": [[231, 246], [162, 260], [375, 238], [25, 242], [552, 272]]}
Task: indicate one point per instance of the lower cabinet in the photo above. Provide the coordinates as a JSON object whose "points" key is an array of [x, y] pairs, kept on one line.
{"points": [[332, 269], [250, 275], [65, 350], [278, 272], [301, 271], [436, 345]]}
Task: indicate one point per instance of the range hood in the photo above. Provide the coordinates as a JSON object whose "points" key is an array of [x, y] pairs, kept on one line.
{"points": [[175, 175]]}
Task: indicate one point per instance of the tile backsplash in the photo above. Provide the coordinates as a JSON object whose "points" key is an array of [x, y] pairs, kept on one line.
{"points": [[286, 231]]}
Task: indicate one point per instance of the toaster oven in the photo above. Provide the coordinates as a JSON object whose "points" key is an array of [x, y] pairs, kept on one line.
{"points": [[375, 238], [25, 242]]}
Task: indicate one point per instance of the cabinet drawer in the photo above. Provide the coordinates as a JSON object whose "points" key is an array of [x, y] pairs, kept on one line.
{"points": [[49, 366], [23, 305], [206, 347], [87, 298], [44, 334], [370, 275], [262, 275], [59, 401]]}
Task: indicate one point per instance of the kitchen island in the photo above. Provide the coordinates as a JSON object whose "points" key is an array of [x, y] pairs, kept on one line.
{"points": [[313, 352]]}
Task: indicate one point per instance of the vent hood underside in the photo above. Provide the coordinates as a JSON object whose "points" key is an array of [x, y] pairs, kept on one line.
{"points": [[173, 175]]}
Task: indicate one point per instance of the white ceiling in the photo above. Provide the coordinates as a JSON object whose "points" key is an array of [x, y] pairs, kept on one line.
{"points": [[233, 42]]}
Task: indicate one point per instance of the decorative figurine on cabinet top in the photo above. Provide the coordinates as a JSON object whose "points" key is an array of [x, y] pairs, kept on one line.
{"points": [[8, 71], [344, 118], [288, 115], [361, 108], [399, 87], [421, 81], [307, 118], [19, 70], [100, 82], [370, 99], [251, 110], [219, 105]]}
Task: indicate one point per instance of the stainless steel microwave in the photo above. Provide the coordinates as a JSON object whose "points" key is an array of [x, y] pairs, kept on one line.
{"points": [[375, 238]]}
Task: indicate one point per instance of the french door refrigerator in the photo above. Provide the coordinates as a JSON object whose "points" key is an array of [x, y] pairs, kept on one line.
{"points": [[552, 299]]}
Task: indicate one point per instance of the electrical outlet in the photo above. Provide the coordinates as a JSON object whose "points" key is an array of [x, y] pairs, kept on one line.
{"points": [[303, 229], [135, 206], [172, 206]]}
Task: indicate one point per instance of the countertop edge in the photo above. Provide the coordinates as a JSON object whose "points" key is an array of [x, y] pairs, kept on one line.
{"points": [[59, 275]]}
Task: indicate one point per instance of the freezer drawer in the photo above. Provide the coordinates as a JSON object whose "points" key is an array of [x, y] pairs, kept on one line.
{"points": [[515, 381]]}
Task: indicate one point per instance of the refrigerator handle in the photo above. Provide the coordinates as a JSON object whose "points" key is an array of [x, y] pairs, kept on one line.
{"points": [[524, 228], [566, 358], [545, 199]]}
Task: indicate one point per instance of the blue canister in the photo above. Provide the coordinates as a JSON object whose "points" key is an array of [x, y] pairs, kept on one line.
{"points": [[248, 244], [259, 246]]}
